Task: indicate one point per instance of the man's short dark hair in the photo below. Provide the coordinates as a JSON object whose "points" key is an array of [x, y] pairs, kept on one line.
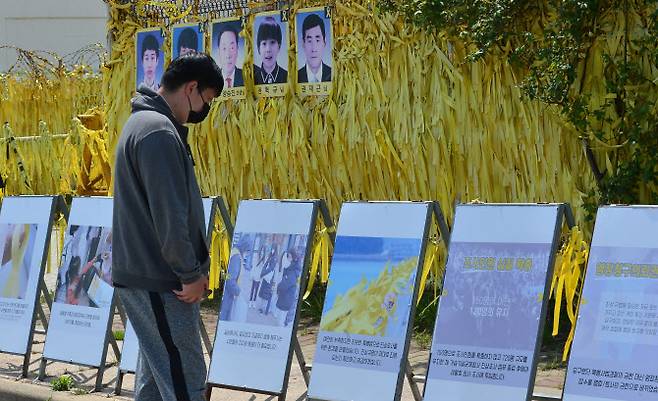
{"points": [[150, 43], [311, 21], [198, 67], [189, 39], [268, 29], [228, 27]]}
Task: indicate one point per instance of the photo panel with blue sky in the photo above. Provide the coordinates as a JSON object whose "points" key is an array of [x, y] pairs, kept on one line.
{"points": [[371, 286]]}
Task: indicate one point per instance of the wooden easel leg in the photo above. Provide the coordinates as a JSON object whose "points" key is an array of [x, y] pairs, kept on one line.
{"points": [[46, 294], [412, 383], [42, 369], [42, 317], [282, 396], [26, 363], [301, 361], [99, 378], [118, 387], [115, 348], [204, 336]]}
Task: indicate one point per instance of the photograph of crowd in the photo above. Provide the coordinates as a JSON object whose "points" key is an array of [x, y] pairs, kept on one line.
{"points": [[263, 282]]}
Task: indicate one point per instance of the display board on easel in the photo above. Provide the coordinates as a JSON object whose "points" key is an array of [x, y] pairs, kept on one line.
{"points": [[25, 226], [257, 323], [493, 304], [79, 331], [368, 311], [616, 339]]}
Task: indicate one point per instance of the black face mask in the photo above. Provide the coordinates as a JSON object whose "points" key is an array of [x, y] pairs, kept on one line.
{"points": [[195, 117]]}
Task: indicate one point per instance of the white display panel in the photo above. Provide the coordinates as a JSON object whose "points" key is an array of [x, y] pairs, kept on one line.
{"points": [[257, 318], [130, 349], [363, 338], [80, 316], [616, 341], [24, 232], [207, 209], [492, 304]]}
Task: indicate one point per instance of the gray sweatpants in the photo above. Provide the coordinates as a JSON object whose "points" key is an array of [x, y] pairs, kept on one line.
{"points": [[170, 365]]}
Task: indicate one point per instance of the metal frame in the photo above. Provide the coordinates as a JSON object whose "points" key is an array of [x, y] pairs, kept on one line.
{"points": [[405, 368], [301, 361], [444, 233], [293, 347], [57, 205], [564, 215], [561, 217], [218, 205]]}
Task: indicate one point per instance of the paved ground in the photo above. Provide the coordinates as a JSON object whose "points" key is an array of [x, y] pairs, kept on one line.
{"points": [[549, 378]]}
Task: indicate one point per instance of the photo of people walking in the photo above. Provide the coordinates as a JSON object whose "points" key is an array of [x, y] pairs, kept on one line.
{"points": [[264, 274]]}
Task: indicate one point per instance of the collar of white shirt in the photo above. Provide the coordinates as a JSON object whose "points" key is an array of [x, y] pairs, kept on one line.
{"points": [[232, 78], [314, 77]]}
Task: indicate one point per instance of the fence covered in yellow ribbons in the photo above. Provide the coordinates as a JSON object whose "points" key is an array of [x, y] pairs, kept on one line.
{"points": [[407, 119]]}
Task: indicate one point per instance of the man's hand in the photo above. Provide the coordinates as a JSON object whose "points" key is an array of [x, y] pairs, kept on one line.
{"points": [[193, 292]]}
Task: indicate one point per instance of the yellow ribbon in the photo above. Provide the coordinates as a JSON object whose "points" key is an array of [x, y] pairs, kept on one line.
{"points": [[220, 249], [319, 259], [170, 9], [431, 254], [59, 229], [567, 279]]}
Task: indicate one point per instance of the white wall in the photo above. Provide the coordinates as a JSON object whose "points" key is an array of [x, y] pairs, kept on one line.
{"points": [[61, 26]]}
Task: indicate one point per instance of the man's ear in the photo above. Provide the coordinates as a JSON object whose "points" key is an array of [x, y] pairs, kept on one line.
{"points": [[190, 87]]}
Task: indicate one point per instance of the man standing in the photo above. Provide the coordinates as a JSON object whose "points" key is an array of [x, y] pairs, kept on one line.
{"points": [[160, 254], [227, 40], [313, 42]]}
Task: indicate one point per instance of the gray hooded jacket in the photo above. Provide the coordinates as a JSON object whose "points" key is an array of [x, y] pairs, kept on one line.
{"points": [[158, 224]]}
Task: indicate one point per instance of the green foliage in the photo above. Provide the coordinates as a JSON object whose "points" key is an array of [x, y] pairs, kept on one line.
{"points": [[554, 44], [214, 303], [423, 339], [119, 335], [426, 311], [425, 317], [311, 307], [552, 363], [483, 24], [62, 383]]}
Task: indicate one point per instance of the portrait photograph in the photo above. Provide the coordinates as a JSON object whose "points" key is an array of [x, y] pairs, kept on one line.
{"points": [[186, 39], [314, 50], [150, 58], [314, 46], [270, 33], [227, 49]]}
